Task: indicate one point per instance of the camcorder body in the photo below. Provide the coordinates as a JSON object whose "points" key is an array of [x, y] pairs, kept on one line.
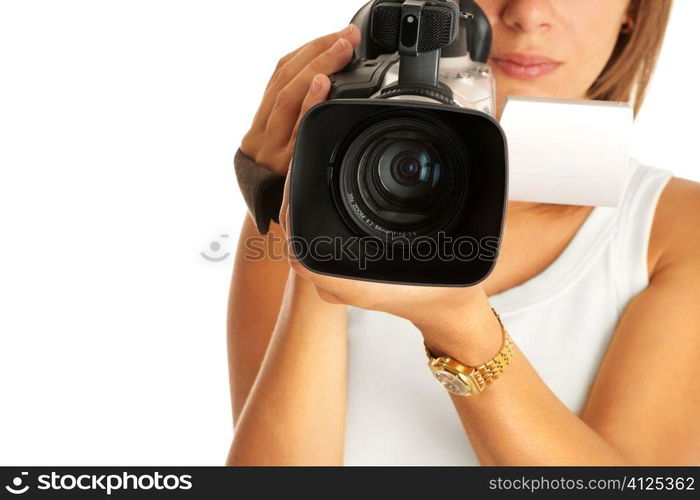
{"points": [[401, 175]]}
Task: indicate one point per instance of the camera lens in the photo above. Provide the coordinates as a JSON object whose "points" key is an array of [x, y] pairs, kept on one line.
{"points": [[405, 176]]}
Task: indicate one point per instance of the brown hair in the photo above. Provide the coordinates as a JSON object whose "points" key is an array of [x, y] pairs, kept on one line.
{"points": [[629, 70]]}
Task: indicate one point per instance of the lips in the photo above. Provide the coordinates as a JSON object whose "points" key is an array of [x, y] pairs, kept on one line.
{"points": [[525, 66]]}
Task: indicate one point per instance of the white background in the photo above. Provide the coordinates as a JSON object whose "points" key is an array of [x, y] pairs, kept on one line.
{"points": [[118, 124]]}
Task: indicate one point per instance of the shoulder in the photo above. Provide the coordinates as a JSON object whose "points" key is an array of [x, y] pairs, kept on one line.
{"points": [[675, 234]]}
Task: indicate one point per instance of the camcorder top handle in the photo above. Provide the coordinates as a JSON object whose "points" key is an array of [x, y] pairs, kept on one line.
{"points": [[474, 35], [418, 30], [439, 29]]}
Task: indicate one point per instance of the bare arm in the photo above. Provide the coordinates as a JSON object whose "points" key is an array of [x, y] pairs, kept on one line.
{"points": [[646, 399], [257, 288], [286, 346], [282, 334], [643, 406], [295, 413]]}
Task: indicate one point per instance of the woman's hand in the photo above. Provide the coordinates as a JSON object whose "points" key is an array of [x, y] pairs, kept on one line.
{"points": [[300, 80], [452, 320]]}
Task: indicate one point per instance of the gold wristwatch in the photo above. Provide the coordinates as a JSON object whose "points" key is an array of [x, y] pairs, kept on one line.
{"points": [[464, 380]]}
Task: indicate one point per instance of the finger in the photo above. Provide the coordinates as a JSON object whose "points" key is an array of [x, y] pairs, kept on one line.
{"points": [[257, 126], [311, 51], [282, 62], [297, 61], [318, 92], [283, 215], [287, 106]]}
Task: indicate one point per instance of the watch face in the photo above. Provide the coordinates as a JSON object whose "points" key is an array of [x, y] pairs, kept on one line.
{"points": [[453, 383]]}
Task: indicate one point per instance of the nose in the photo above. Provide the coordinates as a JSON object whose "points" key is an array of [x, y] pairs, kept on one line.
{"points": [[528, 15]]}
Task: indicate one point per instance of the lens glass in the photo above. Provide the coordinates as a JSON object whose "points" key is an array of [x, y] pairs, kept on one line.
{"points": [[408, 170], [404, 175]]}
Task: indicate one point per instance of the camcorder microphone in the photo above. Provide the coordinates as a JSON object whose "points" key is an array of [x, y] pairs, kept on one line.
{"points": [[401, 175]]}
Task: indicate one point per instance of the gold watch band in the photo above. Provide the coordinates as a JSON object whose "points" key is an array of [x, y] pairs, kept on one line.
{"points": [[465, 380]]}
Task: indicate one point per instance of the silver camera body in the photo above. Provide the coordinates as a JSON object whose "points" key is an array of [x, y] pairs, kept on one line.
{"points": [[472, 83]]}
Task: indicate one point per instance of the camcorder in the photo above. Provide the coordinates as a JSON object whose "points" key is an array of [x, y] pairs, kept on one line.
{"points": [[401, 175]]}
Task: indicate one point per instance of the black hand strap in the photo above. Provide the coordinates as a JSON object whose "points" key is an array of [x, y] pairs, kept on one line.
{"points": [[262, 190]]}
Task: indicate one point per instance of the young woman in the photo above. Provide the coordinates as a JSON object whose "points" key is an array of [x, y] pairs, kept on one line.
{"points": [[600, 303]]}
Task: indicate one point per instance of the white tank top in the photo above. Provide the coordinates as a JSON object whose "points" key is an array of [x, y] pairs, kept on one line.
{"points": [[562, 319]]}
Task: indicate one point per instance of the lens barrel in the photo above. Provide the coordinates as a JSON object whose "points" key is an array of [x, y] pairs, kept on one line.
{"points": [[403, 176]]}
